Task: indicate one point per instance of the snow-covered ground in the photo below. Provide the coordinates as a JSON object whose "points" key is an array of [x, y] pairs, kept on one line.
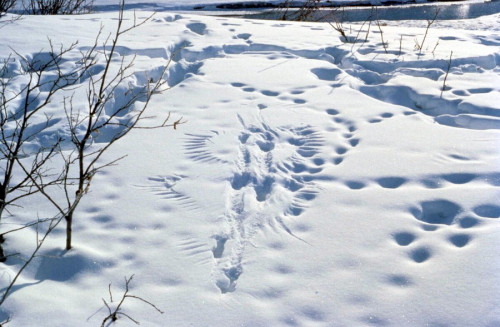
{"points": [[315, 182]]}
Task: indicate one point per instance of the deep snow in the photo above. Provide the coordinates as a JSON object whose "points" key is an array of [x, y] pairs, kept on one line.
{"points": [[315, 183]]}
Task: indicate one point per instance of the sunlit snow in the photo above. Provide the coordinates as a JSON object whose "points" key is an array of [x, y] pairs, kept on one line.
{"points": [[314, 183]]}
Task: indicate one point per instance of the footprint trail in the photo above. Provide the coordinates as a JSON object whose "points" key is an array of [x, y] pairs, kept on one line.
{"points": [[264, 174]]}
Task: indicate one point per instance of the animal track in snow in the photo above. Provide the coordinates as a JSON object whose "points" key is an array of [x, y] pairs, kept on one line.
{"points": [[439, 211], [468, 222], [197, 27], [441, 214], [381, 118], [420, 254], [460, 240], [404, 238], [270, 93], [274, 165], [462, 108], [432, 182], [399, 280], [487, 211], [348, 130], [169, 19], [201, 147], [355, 185], [326, 74], [195, 250], [391, 182], [164, 186], [244, 36]]}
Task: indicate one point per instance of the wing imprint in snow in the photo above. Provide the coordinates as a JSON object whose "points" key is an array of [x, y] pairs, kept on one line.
{"points": [[164, 186], [274, 165], [198, 147]]}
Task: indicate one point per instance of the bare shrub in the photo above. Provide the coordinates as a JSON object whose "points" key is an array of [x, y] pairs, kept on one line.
{"points": [[419, 45], [339, 27], [6, 5], [368, 20], [309, 10], [302, 13], [58, 7], [82, 157], [30, 151], [114, 314], [27, 86]]}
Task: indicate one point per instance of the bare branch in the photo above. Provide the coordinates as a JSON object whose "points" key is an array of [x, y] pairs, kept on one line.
{"points": [[58, 7], [85, 125], [446, 76], [420, 45], [39, 244], [113, 314], [384, 44]]}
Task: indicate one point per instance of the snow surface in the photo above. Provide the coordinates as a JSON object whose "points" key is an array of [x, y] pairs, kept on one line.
{"points": [[315, 183]]}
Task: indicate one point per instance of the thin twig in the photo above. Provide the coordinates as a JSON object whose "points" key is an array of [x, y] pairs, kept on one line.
{"points": [[400, 45], [431, 21], [381, 32], [114, 314], [446, 76], [39, 244]]}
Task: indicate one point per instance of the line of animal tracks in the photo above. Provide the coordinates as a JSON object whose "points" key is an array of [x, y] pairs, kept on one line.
{"points": [[275, 167], [263, 177]]}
